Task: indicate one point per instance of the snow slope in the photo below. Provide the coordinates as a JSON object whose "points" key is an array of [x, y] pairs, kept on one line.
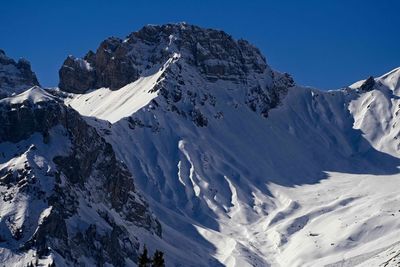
{"points": [[241, 166], [64, 197], [33, 95], [376, 113], [112, 105], [313, 184]]}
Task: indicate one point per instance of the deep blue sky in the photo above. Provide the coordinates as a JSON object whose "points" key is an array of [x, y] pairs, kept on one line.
{"points": [[326, 44]]}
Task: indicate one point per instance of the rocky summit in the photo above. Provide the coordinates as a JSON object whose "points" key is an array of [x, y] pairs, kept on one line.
{"points": [[118, 62], [185, 141], [15, 77], [211, 54]]}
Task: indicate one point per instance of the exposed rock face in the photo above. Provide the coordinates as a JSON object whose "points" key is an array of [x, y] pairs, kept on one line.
{"points": [[220, 176], [197, 64], [368, 85], [118, 62], [83, 203], [15, 77], [86, 205], [77, 75], [20, 120]]}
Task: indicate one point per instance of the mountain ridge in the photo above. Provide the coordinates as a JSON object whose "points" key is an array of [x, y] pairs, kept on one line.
{"points": [[198, 149], [63, 190], [15, 77]]}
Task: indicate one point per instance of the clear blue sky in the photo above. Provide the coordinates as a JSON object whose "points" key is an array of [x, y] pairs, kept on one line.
{"points": [[326, 44]]}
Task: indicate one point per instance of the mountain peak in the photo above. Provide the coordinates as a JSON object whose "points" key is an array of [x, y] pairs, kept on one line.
{"points": [[15, 77], [240, 166], [33, 95], [117, 62], [185, 67], [395, 71], [391, 79], [368, 84]]}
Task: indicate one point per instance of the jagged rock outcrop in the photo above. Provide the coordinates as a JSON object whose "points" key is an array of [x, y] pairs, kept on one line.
{"points": [[81, 199], [368, 84], [77, 75], [15, 77], [86, 206], [19, 120], [229, 186], [118, 62], [197, 65]]}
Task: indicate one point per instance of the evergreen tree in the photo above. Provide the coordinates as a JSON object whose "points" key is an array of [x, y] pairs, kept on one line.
{"points": [[144, 260], [158, 259]]}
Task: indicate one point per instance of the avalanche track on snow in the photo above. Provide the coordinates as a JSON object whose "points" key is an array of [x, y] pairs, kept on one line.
{"points": [[313, 184], [184, 139]]}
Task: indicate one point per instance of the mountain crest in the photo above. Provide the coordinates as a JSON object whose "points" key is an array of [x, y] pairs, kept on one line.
{"points": [[15, 77], [118, 62]]}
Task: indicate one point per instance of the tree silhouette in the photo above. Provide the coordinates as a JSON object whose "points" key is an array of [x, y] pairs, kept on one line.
{"points": [[158, 259], [144, 260]]}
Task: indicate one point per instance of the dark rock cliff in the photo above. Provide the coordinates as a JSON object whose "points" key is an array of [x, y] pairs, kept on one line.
{"points": [[15, 77], [118, 62], [89, 175]]}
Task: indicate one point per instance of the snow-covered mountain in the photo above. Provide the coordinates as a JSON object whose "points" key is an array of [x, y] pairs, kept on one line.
{"points": [[65, 197], [239, 166]]}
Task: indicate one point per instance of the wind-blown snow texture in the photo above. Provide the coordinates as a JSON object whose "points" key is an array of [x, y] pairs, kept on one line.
{"points": [[240, 166]]}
